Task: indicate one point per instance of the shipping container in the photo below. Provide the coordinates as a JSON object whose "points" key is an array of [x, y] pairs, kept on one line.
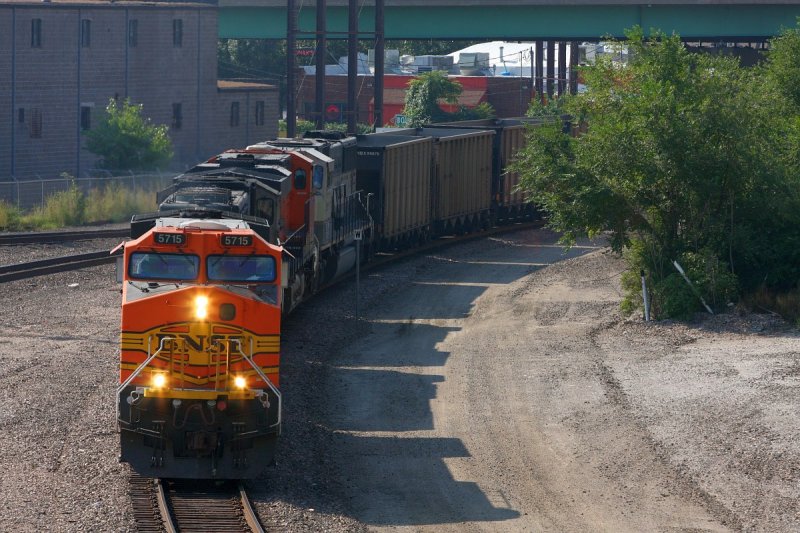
{"points": [[395, 170]]}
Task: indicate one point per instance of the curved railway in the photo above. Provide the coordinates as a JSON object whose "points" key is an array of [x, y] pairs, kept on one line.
{"points": [[77, 261], [174, 506]]}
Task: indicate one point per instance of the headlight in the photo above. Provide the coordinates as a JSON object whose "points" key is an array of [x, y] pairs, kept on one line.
{"points": [[159, 381], [240, 382], [201, 307]]}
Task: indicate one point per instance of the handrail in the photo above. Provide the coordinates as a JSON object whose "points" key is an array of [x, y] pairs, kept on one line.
{"points": [[141, 367], [261, 374]]}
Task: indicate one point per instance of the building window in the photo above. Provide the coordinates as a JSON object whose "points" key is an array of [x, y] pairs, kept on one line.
{"points": [[234, 114], [177, 116], [133, 33], [260, 113], [36, 123], [86, 33], [86, 117], [36, 33], [177, 33], [21, 115]]}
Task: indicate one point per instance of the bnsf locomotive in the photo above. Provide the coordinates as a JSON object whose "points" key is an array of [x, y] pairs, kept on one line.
{"points": [[246, 236]]}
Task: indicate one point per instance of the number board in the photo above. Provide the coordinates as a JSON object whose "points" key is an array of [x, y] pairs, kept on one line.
{"points": [[169, 238], [236, 240]]}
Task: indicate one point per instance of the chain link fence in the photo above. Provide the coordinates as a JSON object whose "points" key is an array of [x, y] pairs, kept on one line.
{"points": [[30, 194]]}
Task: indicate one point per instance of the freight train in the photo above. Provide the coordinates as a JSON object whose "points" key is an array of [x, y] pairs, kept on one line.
{"points": [[241, 239]]}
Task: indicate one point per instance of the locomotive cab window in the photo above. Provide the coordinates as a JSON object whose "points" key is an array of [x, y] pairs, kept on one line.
{"points": [[244, 268], [300, 179], [157, 266]]}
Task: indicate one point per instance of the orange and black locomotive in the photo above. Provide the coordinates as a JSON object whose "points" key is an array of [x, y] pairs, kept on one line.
{"points": [[201, 314]]}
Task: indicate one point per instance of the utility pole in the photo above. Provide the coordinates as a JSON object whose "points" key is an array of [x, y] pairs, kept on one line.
{"points": [[352, 65], [379, 66], [319, 70], [291, 46]]}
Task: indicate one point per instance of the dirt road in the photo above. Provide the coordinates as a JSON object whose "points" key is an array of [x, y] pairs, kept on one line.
{"points": [[494, 394]]}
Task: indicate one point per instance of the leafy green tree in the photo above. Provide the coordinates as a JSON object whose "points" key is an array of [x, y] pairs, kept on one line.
{"points": [[427, 91], [682, 154], [125, 140]]}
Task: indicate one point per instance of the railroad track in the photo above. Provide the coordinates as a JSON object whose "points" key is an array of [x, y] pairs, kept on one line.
{"points": [[55, 264], [77, 261], [42, 237], [191, 506]]}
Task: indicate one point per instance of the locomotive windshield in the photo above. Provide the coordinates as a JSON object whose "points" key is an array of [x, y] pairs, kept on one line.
{"points": [[151, 265], [249, 268]]}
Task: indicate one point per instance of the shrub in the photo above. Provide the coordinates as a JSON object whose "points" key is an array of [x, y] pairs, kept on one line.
{"points": [[10, 216]]}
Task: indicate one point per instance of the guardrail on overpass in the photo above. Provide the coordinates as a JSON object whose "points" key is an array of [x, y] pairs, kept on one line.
{"points": [[740, 20]]}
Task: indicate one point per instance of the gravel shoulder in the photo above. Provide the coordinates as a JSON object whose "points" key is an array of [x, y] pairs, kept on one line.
{"points": [[492, 386]]}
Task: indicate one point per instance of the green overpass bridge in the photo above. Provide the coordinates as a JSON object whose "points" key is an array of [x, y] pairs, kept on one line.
{"points": [[725, 20]]}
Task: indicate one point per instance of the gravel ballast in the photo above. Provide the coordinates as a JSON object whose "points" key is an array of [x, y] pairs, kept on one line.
{"points": [[713, 403]]}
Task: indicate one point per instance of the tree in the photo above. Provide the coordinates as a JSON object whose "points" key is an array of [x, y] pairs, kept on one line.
{"points": [[427, 91], [125, 140], [682, 153]]}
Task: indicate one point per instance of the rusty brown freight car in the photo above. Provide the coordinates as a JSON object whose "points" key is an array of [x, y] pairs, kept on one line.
{"points": [[396, 171]]}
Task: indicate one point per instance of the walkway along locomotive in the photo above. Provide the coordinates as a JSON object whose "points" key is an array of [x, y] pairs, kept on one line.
{"points": [[246, 236]]}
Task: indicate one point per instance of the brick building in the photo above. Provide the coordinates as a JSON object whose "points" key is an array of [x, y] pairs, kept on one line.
{"points": [[509, 96], [62, 60]]}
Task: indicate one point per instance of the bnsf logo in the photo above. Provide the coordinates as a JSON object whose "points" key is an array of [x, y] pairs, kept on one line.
{"points": [[203, 343]]}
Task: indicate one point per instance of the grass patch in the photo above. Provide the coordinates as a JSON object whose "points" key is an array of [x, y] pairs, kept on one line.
{"points": [[73, 207]]}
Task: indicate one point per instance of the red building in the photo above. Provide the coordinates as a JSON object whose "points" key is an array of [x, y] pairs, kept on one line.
{"points": [[509, 96]]}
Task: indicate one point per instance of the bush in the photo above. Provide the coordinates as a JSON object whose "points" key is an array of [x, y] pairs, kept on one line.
{"points": [[670, 295], [10, 216]]}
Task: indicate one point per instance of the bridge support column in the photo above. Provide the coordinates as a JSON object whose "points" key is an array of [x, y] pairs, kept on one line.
{"points": [[539, 74], [379, 67], [291, 45], [551, 62], [352, 65], [574, 58], [562, 68], [320, 76]]}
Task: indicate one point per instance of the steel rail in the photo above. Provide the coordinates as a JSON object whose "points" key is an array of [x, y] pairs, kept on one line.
{"points": [[62, 236], [191, 508], [54, 265], [249, 513], [146, 517], [163, 507]]}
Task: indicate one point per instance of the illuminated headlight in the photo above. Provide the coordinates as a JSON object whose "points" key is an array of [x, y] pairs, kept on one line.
{"points": [[240, 382], [159, 381], [201, 307]]}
